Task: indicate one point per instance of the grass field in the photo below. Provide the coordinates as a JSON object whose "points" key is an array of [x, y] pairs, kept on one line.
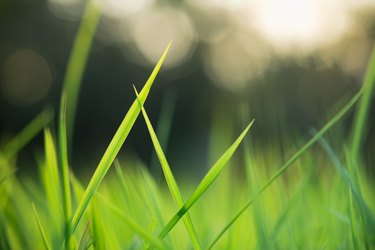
{"points": [[319, 198]]}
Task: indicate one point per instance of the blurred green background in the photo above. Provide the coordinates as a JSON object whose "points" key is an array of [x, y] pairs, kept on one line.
{"points": [[290, 63]]}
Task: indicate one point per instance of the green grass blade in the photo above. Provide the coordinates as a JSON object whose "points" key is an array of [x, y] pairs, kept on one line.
{"points": [[64, 165], [41, 229], [368, 220], [115, 145], [71, 87], [171, 182], [359, 128], [289, 163], [252, 175], [352, 221], [153, 240], [85, 241], [51, 180], [347, 178], [52, 166], [78, 59], [205, 183]]}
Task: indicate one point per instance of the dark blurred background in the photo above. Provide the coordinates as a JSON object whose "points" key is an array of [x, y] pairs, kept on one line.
{"points": [[289, 62]]}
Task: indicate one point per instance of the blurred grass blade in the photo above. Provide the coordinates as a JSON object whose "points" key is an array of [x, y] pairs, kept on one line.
{"points": [[163, 129], [352, 220], [172, 184], [115, 145], [64, 164], [41, 229], [86, 240], [78, 59], [206, 182], [154, 241], [252, 178], [289, 163], [71, 85], [359, 128], [28, 133], [367, 216], [50, 177]]}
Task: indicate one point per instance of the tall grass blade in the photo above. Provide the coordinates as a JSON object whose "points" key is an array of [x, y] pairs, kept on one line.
{"points": [[205, 183], [115, 145], [71, 87], [359, 128], [289, 163], [64, 165], [78, 59], [171, 182], [41, 229]]}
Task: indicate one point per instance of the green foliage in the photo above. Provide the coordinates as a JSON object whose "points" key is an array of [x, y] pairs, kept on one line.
{"points": [[310, 206], [172, 184]]}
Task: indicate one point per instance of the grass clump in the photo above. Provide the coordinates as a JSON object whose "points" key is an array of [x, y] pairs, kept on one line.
{"points": [[316, 199]]}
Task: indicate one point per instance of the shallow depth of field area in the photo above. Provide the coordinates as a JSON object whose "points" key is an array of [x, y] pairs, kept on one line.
{"points": [[310, 190]]}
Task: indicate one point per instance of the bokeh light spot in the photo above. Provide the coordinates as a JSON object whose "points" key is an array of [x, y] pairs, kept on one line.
{"points": [[157, 28], [122, 8], [67, 9], [236, 60], [25, 78]]}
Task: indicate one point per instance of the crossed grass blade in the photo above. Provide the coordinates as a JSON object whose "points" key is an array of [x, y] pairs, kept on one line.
{"points": [[289, 163], [115, 145], [209, 178], [171, 182]]}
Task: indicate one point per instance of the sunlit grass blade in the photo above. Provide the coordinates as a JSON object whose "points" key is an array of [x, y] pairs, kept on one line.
{"points": [[27, 133], [153, 240], [115, 145], [50, 178], [289, 163], [41, 228], [171, 182], [50, 173], [205, 183], [359, 127], [78, 59]]}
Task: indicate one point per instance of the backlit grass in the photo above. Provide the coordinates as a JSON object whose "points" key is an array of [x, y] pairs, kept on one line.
{"points": [[319, 198]]}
